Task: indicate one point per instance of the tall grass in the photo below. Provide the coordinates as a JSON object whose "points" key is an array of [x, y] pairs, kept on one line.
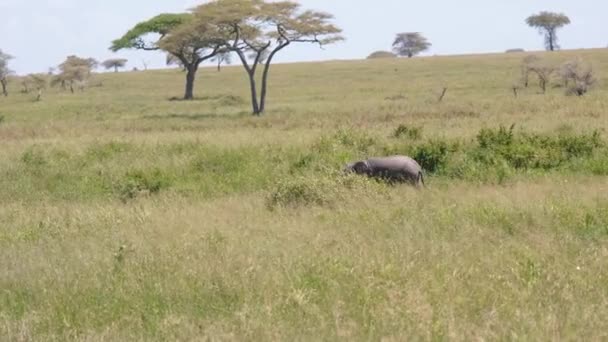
{"points": [[127, 216]]}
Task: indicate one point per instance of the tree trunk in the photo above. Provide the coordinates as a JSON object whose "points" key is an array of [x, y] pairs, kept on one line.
{"points": [[190, 76], [543, 85], [219, 65], [4, 91], [265, 76], [254, 94], [551, 39], [115, 68]]}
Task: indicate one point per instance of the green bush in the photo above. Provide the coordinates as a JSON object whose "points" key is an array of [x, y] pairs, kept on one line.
{"points": [[533, 151], [433, 155], [489, 138]]}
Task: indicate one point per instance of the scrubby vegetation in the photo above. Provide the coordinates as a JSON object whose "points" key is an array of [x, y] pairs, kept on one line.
{"points": [[127, 216]]}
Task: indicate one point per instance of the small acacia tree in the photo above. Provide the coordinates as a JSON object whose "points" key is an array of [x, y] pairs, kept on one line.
{"points": [[547, 24], [39, 82], [115, 63], [410, 44], [527, 63], [259, 29], [578, 77], [75, 71], [5, 72], [544, 73], [175, 34]]}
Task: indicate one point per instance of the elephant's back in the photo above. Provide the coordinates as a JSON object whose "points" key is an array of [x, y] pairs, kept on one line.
{"points": [[396, 162]]}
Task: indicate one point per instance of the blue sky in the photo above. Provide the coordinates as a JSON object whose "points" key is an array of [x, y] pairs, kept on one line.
{"points": [[41, 33]]}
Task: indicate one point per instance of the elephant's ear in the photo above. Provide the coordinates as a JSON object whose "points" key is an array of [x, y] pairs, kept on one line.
{"points": [[361, 167]]}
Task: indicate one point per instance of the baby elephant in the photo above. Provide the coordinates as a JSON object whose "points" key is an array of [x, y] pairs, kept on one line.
{"points": [[392, 169]]}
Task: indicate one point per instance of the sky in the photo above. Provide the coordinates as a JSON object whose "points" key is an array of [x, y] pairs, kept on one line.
{"points": [[41, 33]]}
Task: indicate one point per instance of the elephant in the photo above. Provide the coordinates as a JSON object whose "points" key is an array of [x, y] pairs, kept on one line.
{"points": [[391, 168]]}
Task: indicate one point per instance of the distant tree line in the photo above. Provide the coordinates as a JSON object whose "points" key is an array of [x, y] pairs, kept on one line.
{"points": [[255, 31], [410, 44]]}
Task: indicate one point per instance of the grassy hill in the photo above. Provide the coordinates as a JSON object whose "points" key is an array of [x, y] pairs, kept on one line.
{"points": [[125, 215]]}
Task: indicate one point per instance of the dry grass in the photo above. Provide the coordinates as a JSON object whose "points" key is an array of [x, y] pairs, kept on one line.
{"points": [[125, 216]]}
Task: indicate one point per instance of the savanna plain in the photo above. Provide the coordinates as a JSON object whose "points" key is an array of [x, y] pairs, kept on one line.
{"points": [[126, 215]]}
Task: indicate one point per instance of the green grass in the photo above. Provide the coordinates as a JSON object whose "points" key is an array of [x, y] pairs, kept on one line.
{"points": [[127, 216]]}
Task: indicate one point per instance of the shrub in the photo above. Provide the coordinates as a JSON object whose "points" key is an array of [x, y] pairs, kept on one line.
{"points": [[578, 77], [495, 138], [525, 151], [433, 155]]}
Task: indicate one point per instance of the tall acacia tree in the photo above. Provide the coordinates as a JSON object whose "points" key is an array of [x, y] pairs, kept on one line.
{"points": [[256, 30], [547, 24], [175, 34], [5, 72]]}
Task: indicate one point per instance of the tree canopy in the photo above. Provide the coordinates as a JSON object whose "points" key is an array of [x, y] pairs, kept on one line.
{"points": [[410, 44], [547, 24], [161, 24], [114, 63], [256, 30], [175, 34], [74, 71]]}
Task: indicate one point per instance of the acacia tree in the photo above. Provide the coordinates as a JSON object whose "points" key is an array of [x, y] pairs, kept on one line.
{"points": [[410, 44], [547, 24], [527, 64], [114, 63], [256, 30], [176, 35], [38, 82], [74, 71], [5, 72]]}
